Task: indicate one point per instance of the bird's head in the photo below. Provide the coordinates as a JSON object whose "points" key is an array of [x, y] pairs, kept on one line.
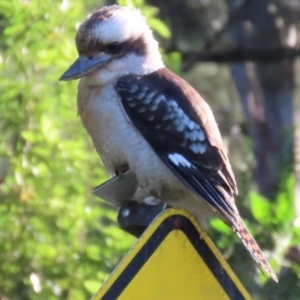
{"points": [[112, 42]]}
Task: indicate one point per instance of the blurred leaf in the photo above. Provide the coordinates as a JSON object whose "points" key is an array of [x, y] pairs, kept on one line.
{"points": [[220, 226], [91, 285], [160, 28], [260, 208], [284, 210], [173, 61]]}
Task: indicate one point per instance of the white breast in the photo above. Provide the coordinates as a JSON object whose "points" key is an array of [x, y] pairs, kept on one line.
{"points": [[115, 138], [101, 116]]}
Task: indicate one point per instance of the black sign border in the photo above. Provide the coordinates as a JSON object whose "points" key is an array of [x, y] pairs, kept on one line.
{"points": [[174, 222]]}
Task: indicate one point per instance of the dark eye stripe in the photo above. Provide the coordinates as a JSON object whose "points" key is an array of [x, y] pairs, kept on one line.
{"points": [[137, 46], [91, 47], [114, 48]]}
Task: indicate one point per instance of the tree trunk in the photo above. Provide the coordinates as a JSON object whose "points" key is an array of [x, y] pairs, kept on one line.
{"points": [[266, 92]]}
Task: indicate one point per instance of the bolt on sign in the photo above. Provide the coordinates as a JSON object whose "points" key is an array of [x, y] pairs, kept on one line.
{"points": [[173, 259]]}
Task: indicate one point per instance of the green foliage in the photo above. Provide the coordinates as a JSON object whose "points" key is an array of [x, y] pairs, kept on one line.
{"points": [[52, 228], [280, 212]]}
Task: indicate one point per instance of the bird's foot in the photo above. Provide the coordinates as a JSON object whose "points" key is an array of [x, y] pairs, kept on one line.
{"points": [[151, 201]]}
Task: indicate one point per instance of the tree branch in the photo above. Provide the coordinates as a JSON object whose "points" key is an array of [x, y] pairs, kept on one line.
{"points": [[239, 55]]}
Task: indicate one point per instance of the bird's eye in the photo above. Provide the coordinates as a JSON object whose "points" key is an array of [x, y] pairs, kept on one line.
{"points": [[113, 48]]}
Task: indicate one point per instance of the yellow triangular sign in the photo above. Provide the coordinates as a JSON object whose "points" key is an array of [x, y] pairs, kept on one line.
{"points": [[173, 259]]}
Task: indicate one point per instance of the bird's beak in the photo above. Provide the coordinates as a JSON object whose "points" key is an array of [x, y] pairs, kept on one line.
{"points": [[84, 65]]}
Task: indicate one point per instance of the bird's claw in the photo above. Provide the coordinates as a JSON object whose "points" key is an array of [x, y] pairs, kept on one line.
{"points": [[151, 201]]}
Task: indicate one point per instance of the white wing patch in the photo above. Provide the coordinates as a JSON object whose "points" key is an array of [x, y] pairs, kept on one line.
{"points": [[178, 160]]}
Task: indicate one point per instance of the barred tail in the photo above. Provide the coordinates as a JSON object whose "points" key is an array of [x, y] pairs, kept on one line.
{"points": [[254, 249]]}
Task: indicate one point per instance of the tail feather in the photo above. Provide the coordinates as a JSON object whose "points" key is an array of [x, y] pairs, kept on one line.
{"points": [[251, 245]]}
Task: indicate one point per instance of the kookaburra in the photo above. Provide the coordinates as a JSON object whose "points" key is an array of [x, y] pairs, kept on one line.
{"points": [[143, 117]]}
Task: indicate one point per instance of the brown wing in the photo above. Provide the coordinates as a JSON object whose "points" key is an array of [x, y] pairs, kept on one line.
{"points": [[181, 129]]}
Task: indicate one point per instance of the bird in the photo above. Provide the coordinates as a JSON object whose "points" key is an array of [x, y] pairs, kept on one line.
{"points": [[144, 118]]}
